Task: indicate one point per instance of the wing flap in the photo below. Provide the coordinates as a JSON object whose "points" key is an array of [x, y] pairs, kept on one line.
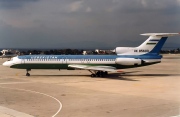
{"points": [[95, 68]]}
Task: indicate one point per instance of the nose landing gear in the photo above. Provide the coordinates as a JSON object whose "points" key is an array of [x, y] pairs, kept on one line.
{"points": [[27, 70]]}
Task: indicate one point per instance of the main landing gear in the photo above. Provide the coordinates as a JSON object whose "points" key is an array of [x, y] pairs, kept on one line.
{"points": [[27, 70], [98, 73]]}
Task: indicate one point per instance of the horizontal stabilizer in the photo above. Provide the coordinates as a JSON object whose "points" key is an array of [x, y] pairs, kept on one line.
{"points": [[160, 34]]}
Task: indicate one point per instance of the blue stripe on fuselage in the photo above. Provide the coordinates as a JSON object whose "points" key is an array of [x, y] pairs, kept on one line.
{"points": [[146, 56]]}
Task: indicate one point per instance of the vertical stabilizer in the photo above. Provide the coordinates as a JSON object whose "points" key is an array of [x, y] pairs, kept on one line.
{"points": [[155, 42], [152, 45]]}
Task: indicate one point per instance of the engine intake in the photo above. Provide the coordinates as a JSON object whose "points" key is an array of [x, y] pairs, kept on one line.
{"points": [[122, 50]]}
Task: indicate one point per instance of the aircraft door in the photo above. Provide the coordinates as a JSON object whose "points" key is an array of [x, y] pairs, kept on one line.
{"points": [[22, 61]]}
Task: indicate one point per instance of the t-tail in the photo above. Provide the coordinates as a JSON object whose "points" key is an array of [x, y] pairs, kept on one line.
{"points": [[152, 45]]}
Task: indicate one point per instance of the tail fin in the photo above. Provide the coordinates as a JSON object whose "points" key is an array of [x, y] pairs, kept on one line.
{"points": [[155, 42], [152, 45]]}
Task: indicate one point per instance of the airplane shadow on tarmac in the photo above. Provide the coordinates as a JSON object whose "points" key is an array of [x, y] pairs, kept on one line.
{"points": [[139, 76], [109, 76], [119, 76]]}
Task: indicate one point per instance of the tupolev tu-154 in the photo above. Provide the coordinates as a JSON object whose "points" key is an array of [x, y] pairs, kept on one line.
{"points": [[99, 65]]}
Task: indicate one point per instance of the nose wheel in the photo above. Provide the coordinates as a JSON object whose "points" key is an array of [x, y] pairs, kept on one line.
{"points": [[28, 74]]}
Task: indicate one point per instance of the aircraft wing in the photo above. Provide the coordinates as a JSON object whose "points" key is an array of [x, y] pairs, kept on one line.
{"points": [[94, 68]]}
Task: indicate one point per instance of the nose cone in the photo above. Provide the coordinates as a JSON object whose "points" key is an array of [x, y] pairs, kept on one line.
{"points": [[7, 64]]}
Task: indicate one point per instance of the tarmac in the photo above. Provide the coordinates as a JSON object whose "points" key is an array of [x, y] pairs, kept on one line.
{"points": [[151, 91]]}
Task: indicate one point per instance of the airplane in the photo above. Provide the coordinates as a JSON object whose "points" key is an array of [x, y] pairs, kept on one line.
{"points": [[99, 65]]}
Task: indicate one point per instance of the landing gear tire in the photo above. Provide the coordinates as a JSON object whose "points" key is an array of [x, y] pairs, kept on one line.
{"points": [[101, 74], [98, 74], [27, 74], [105, 73]]}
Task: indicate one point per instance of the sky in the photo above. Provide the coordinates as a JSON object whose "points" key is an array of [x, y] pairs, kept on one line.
{"points": [[86, 24]]}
